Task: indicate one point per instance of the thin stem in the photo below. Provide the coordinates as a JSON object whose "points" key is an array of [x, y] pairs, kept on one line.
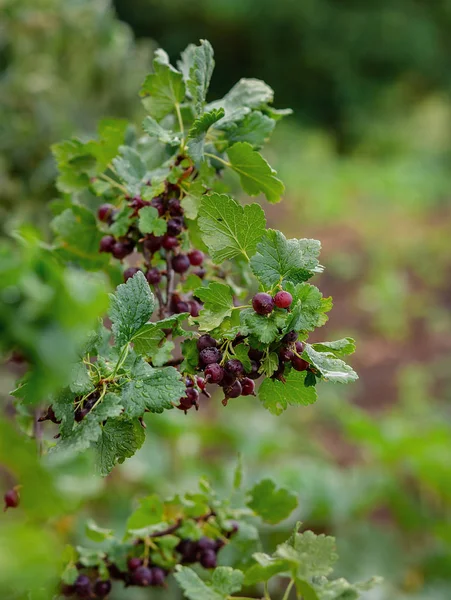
{"points": [[266, 591], [240, 307], [180, 120], [221, 160], [121, 360], [288, 590], [114, 183]]}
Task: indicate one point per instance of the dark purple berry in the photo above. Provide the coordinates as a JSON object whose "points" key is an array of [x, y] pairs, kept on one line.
{"points": [[189, 382], [104, 212], [11, 499], [262, 303], [152, 243], [248, 386], [133, 563], [82, 586], [285, 354], [102, 588], [209, 356], [300, 347], [121, 249], [180, 263], [169, 242], [234, 367], [80, 414], [214, 373], [175, 226], [158, 576], [159, 205], [107, 243], [185, 403], [233, 391], [153, 276], [90, 402], [255, 366], [188, 550], [128, 273], [193, 396], [174, 207], [196, 257], [235, 527], [200, 273], [255, 354], [67, 590], [201, 383], [299, 364], [182, 307], [206, 543], [206, 341], [194, 308], [279, 372], [142, 576], [283, 299], [290, 337], [208, 559]]}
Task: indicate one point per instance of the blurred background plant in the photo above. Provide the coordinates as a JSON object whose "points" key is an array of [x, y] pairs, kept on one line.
{"points": [[365, 160]]}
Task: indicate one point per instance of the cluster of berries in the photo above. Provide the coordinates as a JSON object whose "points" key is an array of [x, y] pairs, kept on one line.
{"points": [[194, 387], [140, 572], [82, 406]]}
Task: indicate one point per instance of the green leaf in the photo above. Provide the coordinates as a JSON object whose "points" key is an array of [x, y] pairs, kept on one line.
{"points": [[131, 307], [191, 357], [193, 587], [338, 348], [313, 555], [200, 74], [163, 353], [147, 340], [198, 131], [122, 221], [227, 581], [331, 368], [149, 512], [164, 88], [155, 130], [309, 308], [248, 93], [96, 533], [229, 229], [120, 439], [264, 328], [149, 221], [131, 169], [276, 395], [278, 259], [218, 304], [269, 364], [241, 353], [191, 202], [255, 173], [153, 389], [265, 568], [252, 127], [340, 589], [271, 504], [111, 137]]}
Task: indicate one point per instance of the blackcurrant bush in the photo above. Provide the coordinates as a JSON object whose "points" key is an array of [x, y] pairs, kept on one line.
{"points": [[206, 543], [175, 226], [262, 303], [299, 364], [158, 576], [142, 576], [82, 586], [107, 243], [300, 347], [208, 559], [169, 242], [255, 366], [153, 276], [152, 243], [285, 354], [234, 367], [133, 563], [194, 308], [102, 588], [283, 299], [104, 212], [233, 391], [11, 499], [206, 341], [290, 337], [248, 386], [128, 273], [196, 257], [209, 356], [174, 207], [180, 263], [214, 373]]}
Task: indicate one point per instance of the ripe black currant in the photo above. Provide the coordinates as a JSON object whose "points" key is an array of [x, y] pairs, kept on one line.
{"points": [[142, 576], [169, 242], [122, 249], [153, 276], [200, 272], [158, 576], [11, 499], [255, 366], [206, 543], [233, 391], [133, 563], [209, 356], [255, 354], [80, 414], [208, 559], [206, 341], [128, 273], [182, 307], [175, 226], [193, 396], [234, 367], [174, 207], [196, 257], [159, 205], [82, 586], [262, 303], [283, 299], [152, 243], [180, 263], [248, 386], [102, 588], [188, 550], [290, 337], [299, 364], [214, 373], [194, 308], [104, 212], [185, 403], [300, 347], [285, 354], [107, 243]]}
